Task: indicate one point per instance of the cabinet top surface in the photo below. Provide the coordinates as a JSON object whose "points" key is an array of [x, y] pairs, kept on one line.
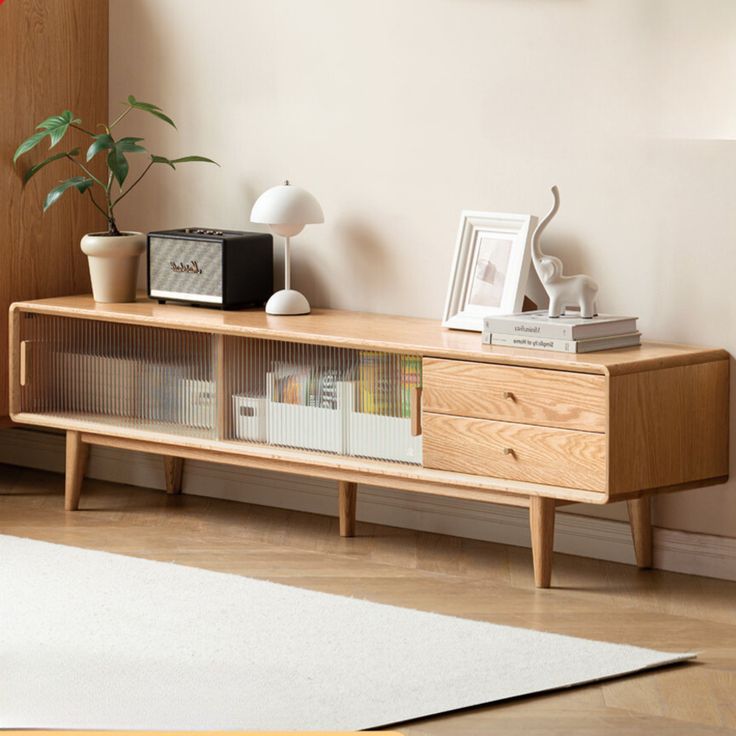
{"points": [[364, 330]]}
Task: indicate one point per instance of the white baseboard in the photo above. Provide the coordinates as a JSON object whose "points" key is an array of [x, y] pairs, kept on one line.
{"points": [[603, 539]]}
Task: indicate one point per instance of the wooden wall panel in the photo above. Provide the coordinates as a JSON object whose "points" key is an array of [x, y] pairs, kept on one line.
{"points": [[53, 56]]}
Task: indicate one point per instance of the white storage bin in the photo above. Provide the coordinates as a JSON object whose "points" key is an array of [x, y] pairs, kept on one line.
{"points": [[309, 427], [250, 418], [197, 403], [383, 438]]}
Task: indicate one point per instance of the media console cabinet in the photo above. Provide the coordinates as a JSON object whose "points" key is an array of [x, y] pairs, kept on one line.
{"points": [[374, 399]]}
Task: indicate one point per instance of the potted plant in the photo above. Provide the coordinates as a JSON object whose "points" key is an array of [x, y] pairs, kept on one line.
{"points": [[113, 255]]}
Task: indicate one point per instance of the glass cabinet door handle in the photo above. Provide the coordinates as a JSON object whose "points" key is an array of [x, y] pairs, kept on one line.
{"points": [[416, 411]]}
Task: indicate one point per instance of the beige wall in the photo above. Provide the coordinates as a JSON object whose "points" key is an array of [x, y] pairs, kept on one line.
{"points": [[397, 114]]}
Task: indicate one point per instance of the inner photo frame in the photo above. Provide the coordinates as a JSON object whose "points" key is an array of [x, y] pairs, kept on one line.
{"points": [[490, 268]]}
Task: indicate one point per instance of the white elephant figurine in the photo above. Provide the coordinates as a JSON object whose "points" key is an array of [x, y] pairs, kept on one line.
{"points": [[563, 291]]}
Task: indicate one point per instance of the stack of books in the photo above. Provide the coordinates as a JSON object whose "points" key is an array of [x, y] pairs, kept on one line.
{"points": [[567, 334], [385, 382]]}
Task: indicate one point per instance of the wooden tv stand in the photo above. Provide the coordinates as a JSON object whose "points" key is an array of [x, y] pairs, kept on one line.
{"points": [[454, 417]]}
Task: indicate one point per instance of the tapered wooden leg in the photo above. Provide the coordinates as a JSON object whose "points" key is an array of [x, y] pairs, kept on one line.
{"points": [[77, 453], [347, 499], [174, 471], [640, 518], [542, 524]]}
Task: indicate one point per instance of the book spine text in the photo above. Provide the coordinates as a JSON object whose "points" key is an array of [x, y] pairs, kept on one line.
{"points": [[537, 343]]}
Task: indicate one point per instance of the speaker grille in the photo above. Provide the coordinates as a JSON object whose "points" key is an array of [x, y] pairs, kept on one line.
{"points": [[180, 269]]}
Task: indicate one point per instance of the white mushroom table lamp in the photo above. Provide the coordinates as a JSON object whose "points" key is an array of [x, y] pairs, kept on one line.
{"points": [[286, 210]]}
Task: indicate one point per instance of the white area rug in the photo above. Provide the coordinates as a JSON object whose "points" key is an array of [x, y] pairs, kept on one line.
{"points": [[101, 641]]}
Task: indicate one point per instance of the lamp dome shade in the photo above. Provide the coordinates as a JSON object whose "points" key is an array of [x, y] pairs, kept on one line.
{"points": [[286, 205]]}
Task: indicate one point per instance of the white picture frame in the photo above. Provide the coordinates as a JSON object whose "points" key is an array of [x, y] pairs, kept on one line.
{"points": [[489, 269]]}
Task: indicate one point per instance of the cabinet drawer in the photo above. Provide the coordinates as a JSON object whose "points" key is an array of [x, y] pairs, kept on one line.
{"points": [[525, 395], [558, 457]]}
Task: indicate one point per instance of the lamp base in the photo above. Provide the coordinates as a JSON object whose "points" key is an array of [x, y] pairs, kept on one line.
{"points": [[287, 301]]}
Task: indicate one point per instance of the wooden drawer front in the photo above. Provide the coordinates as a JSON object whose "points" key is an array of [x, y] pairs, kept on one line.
{"points": [[557, 457], [526, 395]]}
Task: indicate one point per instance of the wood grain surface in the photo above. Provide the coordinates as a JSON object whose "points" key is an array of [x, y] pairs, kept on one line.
{"points": [[173, 473], [517, 451], [77, 454], [368, 331], [402, 476], [525, 395], [668, 426], [347, 501], [542, 529], [53, 56], [640, 518]]}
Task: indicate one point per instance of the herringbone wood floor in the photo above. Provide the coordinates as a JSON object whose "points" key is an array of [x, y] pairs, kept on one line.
{"points": [[438, 573]]}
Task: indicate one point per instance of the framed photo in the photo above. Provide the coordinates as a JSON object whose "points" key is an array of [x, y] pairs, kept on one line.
{"points": [[490, 268]]}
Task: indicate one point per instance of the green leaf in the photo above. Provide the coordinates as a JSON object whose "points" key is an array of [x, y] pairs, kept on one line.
{"points": [[182, 160], [129, 145], [116, 161], [118, 164], [162, 160], [28, 144], [163, 117], [187, 159], [141, 105], [81, 183], [37, 167], [102, 142], [57, 125], [150, 108]]}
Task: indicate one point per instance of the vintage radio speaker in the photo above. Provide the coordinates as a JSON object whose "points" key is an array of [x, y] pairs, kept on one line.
{"points": [[217, 268]]}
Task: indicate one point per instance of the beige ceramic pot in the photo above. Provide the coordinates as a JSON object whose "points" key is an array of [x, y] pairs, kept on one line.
{"points": [[113, 264]]}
